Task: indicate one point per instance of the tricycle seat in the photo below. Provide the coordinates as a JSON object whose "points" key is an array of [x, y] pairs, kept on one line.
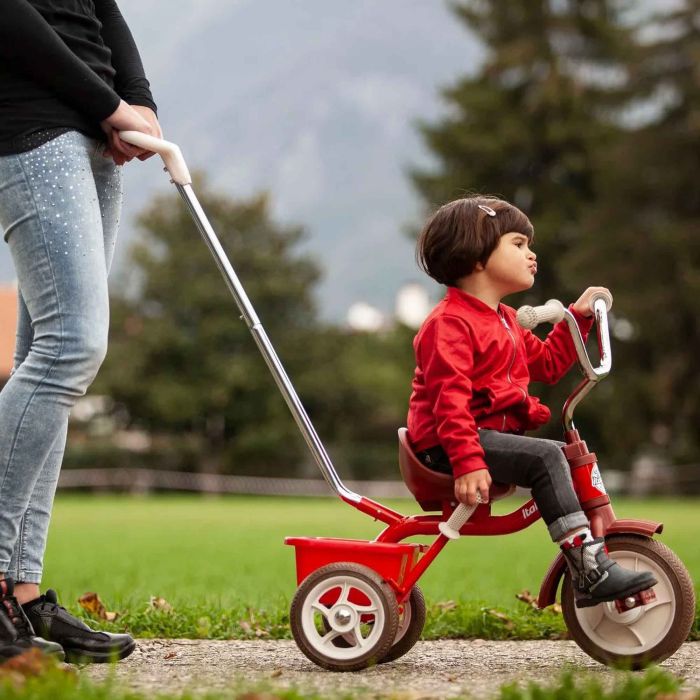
{"points": [[430, 488]]}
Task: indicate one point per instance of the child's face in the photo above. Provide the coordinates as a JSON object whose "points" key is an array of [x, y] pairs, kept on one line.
{"points": [[512, 266]]}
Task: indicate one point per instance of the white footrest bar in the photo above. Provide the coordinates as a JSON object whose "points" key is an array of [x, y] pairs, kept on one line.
{"points": [[456, 521]]}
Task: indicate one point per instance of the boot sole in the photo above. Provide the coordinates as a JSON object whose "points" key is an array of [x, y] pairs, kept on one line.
{"points": [[79, 656], [632, 590]]}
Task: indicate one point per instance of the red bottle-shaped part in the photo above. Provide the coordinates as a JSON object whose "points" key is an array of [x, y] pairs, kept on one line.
{"points": [[588, 483]]}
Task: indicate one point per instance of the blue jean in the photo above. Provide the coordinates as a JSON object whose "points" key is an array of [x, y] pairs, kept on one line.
{"points": [[59, 211]]}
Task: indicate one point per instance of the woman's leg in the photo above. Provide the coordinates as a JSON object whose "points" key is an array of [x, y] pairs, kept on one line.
{"points": [[50, 214], [27, 557]]}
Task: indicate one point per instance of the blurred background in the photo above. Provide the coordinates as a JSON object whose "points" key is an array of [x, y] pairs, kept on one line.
{"points": [[322, 135]]}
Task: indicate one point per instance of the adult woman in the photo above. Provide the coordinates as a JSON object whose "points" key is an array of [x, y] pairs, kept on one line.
{"points": [[70, 79]]}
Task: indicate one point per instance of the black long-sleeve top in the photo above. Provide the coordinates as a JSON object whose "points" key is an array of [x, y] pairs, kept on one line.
{"points": [[64, 64]]}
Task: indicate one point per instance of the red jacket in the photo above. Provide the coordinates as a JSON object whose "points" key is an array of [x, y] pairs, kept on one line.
{"points": [[473, 368]]}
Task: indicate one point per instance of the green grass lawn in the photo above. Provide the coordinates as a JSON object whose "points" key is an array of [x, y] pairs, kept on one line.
{"points": [[208, 553]]}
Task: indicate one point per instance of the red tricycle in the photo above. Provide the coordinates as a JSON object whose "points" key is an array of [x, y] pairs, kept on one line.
{"points": [[357, 602]]}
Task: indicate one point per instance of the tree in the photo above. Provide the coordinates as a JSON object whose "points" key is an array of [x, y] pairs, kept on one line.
{"points": [[645, 231], [181, 360], [529, 125], [187, 370]]}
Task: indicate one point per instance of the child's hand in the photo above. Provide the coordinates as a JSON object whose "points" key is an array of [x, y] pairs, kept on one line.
{"points": [[467, 486], [583, 305]]}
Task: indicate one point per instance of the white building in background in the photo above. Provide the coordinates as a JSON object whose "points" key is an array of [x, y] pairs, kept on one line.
{"points": [[365, 318], [412, 304], [411, 307]]}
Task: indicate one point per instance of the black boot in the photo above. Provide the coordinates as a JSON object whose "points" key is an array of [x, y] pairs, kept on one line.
{"points": [[16, 632], [80, 643], [599, 579]]}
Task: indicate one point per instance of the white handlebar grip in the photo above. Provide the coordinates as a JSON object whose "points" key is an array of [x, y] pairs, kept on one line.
{"points": [[605, 296], [531, 316], [168, 151], [456, 521]]}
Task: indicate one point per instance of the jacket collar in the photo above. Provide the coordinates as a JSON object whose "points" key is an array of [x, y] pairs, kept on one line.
{"points": [[472, 303]]}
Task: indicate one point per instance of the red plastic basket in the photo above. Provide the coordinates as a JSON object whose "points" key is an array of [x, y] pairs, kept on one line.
{"points": [[392, 561]]}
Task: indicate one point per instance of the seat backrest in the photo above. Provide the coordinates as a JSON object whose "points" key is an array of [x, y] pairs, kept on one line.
{"points": [[429, 488]]}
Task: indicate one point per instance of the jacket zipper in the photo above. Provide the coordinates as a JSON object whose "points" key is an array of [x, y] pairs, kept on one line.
{"points": [[512, 362]]}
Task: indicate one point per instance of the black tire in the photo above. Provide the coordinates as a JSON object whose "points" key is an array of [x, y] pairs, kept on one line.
{"points": [[676, 620], [336, 656], [411, 623]]}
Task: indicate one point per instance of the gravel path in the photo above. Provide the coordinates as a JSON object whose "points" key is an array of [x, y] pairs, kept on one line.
{"points": [[441, 669]]}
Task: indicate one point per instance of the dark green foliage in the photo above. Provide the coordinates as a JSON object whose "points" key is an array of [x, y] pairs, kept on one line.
{"points": [[585, 114], [187, 369]]}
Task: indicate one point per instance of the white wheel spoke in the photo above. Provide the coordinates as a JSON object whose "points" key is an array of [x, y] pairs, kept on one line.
{"points": [[636, 630], [358, 635], [329, 637], [597, 615], [319, 607], [364, 609], [344, 592]]}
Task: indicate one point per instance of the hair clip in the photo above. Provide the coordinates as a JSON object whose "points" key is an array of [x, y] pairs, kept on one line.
{"points": [[488, 210]]}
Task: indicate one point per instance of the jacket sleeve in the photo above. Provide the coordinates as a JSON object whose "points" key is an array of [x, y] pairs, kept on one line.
{"points": [[549, 360], [447, 361], [30, 44], [130, 79]]}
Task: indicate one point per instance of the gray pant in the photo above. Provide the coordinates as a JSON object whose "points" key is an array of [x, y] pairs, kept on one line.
{"points": [[532, 463]]}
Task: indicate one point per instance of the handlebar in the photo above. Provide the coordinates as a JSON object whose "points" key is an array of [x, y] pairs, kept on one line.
{"points": [[168, 151], [553, 311]]}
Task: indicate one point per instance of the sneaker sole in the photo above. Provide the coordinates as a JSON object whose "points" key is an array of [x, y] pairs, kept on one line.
{"points": [[592, 602], [77, 656]]}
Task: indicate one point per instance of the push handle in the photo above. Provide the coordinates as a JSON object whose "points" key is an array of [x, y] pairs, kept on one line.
{"points": [[531, 316], [168, 151], [459, 517]]}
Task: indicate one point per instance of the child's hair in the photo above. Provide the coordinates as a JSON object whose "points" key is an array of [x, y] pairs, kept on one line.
{"points": [[465, 232]]}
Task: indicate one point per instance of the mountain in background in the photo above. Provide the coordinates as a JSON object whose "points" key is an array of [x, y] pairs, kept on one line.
{"points": [[314, 101]]}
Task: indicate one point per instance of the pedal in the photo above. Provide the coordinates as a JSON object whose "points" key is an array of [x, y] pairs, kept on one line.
{"points": [[631, 602]]}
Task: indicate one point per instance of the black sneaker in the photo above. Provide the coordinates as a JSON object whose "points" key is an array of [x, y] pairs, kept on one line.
{"points": [[81, 644], [599, 579], [16, 631]]}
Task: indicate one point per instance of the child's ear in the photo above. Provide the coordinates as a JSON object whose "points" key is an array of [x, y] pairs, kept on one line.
{"points": [[479, 267]]}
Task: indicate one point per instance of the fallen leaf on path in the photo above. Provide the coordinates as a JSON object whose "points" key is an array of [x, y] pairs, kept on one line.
{"points": [[276, 673], [91, 603], [170, 655]]}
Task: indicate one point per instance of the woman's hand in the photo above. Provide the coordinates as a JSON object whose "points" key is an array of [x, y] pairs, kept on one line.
{"points": [[150, 116], [127, 118], [466, 487], [583, 305]]}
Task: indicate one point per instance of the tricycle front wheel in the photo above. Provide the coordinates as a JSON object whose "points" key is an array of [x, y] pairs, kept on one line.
{"points": [[643, 635]]}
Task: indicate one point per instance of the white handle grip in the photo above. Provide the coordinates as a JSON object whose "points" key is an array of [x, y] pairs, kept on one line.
{"points": [[531, 316], [168, 151], [456, 521]]}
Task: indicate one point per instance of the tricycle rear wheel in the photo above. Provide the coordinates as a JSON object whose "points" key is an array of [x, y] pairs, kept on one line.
{"points": [[344, 617]]}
